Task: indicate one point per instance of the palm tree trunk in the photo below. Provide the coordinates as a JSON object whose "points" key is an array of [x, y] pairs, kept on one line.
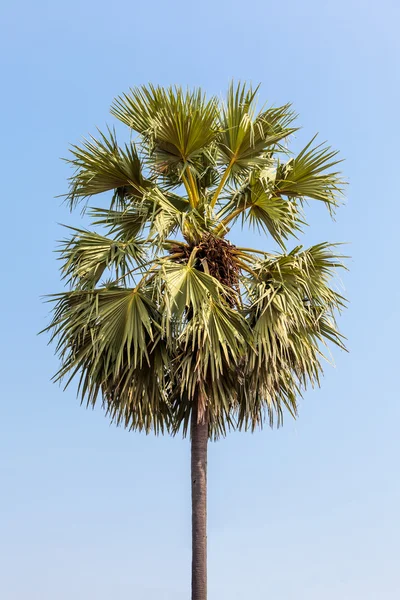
{"points": [[199, 504]]}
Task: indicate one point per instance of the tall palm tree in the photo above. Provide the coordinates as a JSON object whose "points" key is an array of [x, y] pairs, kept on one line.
{"points": [[172, 326]]}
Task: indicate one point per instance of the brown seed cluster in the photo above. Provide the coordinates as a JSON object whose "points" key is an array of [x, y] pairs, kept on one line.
{"points": [[214, 256], [220, 259]]}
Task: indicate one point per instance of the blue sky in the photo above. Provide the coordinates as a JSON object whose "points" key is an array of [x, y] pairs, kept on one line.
{"points": [[306, 512]]}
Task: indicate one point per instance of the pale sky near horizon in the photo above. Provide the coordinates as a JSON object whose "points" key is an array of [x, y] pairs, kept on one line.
{"points": [[306, 512]]}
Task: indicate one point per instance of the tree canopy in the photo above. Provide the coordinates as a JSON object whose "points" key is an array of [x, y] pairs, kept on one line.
{"points": [[161, 307]]}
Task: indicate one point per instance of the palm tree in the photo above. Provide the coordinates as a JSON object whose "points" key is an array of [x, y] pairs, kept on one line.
{"points": [[172, 326]]}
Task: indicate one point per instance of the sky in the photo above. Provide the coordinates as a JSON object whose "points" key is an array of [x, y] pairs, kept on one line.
{"points": [[305, 512]]}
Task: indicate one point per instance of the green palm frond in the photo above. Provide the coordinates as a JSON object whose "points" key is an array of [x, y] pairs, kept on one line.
{"points": [[111, 337], [209, 338], [292, 317], [213, 345], [167, 216], [139, 107], [185, 126], [178, 126], [247, 138], [310, 175], [125, 223], [101, 165], [86, 256], [220, 334], [159, 212], [297, 284], [258, 202], [188, 288]]}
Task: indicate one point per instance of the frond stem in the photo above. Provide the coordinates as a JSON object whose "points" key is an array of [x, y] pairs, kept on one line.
{"points": [[223, 181], [222, 225], [252, 250], [188, 191], [246, 268], [194, 189]]}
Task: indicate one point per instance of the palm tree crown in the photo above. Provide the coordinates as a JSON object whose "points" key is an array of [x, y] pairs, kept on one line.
{"points": [[164, 314]]}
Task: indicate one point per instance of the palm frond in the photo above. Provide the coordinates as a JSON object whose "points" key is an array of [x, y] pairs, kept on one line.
{"points": [[310, 175], [178, 126], [213, 345], [87, 255], [188, 288], [247, 138], [257, 202], [101, 165], [167, 215], [110, 336], [125, 223], [292, 317], [139, 107]]}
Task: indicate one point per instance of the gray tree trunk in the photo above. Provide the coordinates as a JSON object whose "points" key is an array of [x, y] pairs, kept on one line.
{"points": [[199, 505]]}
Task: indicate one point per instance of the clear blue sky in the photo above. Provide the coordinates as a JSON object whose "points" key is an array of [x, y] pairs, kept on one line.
{"points": [[306, 512]]}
